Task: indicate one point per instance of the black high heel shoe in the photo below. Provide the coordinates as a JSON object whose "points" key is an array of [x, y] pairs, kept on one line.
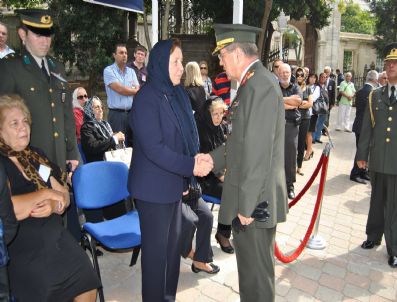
{"points": [[225, 248], [310, 156], [215, 269]]}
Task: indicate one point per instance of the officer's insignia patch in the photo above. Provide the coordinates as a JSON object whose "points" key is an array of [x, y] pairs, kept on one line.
{"points": [[26, 60], [247, 76]]}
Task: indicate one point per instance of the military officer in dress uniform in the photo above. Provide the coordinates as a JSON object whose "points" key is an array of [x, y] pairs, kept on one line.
{"points": [[254, 160], [40, 80], [378, 142]]}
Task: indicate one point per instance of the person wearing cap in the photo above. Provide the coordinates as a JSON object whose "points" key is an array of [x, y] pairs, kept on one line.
{"points": [[378, 142], [40, 80], [253, 158], [5, 50]]}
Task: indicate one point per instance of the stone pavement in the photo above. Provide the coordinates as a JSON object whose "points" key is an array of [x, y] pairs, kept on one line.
{"points": [[340, 272]]}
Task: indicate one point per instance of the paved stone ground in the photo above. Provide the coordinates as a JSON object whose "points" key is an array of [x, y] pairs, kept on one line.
{"points": [[340, 272]]}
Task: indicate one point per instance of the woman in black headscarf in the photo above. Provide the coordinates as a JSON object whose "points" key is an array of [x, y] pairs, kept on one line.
{"points": [[162, 167], [212, 135]]}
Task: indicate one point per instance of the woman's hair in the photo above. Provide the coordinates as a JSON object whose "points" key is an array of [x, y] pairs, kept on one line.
{"points": [[75, 101], [8, 102], [193, 75], [175, 43], [217, 102], [311, 75]]}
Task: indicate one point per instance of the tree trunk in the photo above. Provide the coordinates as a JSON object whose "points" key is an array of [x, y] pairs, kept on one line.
{"points": [[164, 24], [264, 25], [146, 30], [267, 42]]}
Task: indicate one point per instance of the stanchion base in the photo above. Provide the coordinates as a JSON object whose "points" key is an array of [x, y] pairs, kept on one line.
{"points": [[316, 242]]}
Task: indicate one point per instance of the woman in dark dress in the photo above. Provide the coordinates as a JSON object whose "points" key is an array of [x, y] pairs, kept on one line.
{"points": [[194, 86], [212, 135], [46, 263], [307, 102]]}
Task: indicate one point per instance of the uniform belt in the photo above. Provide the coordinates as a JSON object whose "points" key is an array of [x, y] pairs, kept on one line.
{"points": [[120, 110]]}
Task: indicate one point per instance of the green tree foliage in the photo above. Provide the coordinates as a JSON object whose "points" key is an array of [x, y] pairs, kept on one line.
{"points": [[85, 35], [386, 22], [356, 20], [23, 3]]}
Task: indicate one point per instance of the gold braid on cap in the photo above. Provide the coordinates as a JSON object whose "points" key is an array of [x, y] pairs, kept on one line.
{"points": [[45, 22], [392, 55]]}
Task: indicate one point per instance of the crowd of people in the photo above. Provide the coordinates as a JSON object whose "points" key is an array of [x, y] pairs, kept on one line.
{"points": [[188, 139]]}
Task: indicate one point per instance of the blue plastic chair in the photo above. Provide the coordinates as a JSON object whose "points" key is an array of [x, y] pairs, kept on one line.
{"points": [[211, 199], [97, 185]]}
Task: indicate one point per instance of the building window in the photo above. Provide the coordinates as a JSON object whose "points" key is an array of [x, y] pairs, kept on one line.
{"points": [[347, 60]]}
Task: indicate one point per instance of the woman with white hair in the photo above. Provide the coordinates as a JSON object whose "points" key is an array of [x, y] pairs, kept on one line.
{"points": [[347, 92], [194, 86], [79, 98]]}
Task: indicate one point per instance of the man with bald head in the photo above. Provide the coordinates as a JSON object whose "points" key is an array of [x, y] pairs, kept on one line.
{"points": [[292, 95], [5, 50]]}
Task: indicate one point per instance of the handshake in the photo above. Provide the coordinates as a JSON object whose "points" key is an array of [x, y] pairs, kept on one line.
{"points": [[203, 164]]}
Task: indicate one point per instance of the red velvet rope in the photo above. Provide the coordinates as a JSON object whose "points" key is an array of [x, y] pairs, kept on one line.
{"points": [[309, 183], [286, 259]]}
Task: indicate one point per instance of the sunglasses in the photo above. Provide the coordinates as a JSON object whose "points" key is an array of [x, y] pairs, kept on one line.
{"points": [[300, 75], [80, 97], [203, 67]]}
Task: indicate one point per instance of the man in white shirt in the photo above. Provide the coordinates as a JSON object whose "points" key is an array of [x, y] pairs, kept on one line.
{"points": [[5, 50]]}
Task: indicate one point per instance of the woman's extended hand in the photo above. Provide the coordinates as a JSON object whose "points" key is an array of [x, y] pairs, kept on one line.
{"points": [[54, 202]]}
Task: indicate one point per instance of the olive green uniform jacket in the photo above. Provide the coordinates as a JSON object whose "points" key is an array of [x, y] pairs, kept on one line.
{"points": [[49, 102], [254, 152]]}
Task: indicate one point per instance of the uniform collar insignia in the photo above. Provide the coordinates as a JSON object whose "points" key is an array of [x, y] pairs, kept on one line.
{"points": [[26, 60], [248, 75], [59, 77], [51, 62]]}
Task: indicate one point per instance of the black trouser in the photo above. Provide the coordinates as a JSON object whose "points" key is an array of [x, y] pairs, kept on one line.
{"points": [[356, 171], [212, 186], [290, 149], [198, 217], [303, 129], [118, 120], [161, 248]]}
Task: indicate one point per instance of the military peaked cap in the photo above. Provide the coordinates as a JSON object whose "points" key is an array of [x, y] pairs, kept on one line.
{"points": [[226, 34], [390, 51], [38, 21]]}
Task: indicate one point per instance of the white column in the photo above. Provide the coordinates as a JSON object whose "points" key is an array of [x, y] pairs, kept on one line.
{"points": [[155, 21], [238, 11], [237, 19]]}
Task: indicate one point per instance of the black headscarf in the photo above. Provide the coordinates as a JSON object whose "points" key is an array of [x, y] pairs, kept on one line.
{"points": [[211, 136]]}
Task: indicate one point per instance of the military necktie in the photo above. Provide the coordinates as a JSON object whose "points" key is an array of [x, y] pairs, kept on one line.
{"points": [[393, 95], [44, 70]]}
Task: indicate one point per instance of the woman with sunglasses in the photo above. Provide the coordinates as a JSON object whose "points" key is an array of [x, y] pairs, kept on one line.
{"points": [[305, 116], [206, 79], [312, 84], [79, 98]]}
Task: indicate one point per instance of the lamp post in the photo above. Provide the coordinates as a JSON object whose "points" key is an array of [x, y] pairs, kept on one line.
{"points": [[282, 27]]}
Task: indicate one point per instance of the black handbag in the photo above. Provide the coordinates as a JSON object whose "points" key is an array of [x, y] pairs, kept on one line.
{"points": [[320, 106], [191, 198]]}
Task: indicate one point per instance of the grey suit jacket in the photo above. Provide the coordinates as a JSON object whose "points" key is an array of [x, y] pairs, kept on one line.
{"points": [[254, 152], [379, 142]]}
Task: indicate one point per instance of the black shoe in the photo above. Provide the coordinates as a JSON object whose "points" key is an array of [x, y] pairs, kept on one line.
{"points": [[369, 244], [359, 180], [392, 261], [365, 176], [318, 141], [215, 269], [324, 133], [291, 194], [225, 248]]}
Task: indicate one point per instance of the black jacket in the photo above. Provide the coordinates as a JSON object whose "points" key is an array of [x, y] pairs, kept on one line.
{"points": [[361, 105], [331, 89], [197, 96], [94, 143]]}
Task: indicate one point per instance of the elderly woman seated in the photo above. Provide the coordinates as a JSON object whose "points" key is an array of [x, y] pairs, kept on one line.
{"points": [[97, 136], [46, 263], [79, 98], [212, 134]]}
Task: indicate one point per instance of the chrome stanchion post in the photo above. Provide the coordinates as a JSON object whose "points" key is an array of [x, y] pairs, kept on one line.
{"points": [[316, 242]]}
